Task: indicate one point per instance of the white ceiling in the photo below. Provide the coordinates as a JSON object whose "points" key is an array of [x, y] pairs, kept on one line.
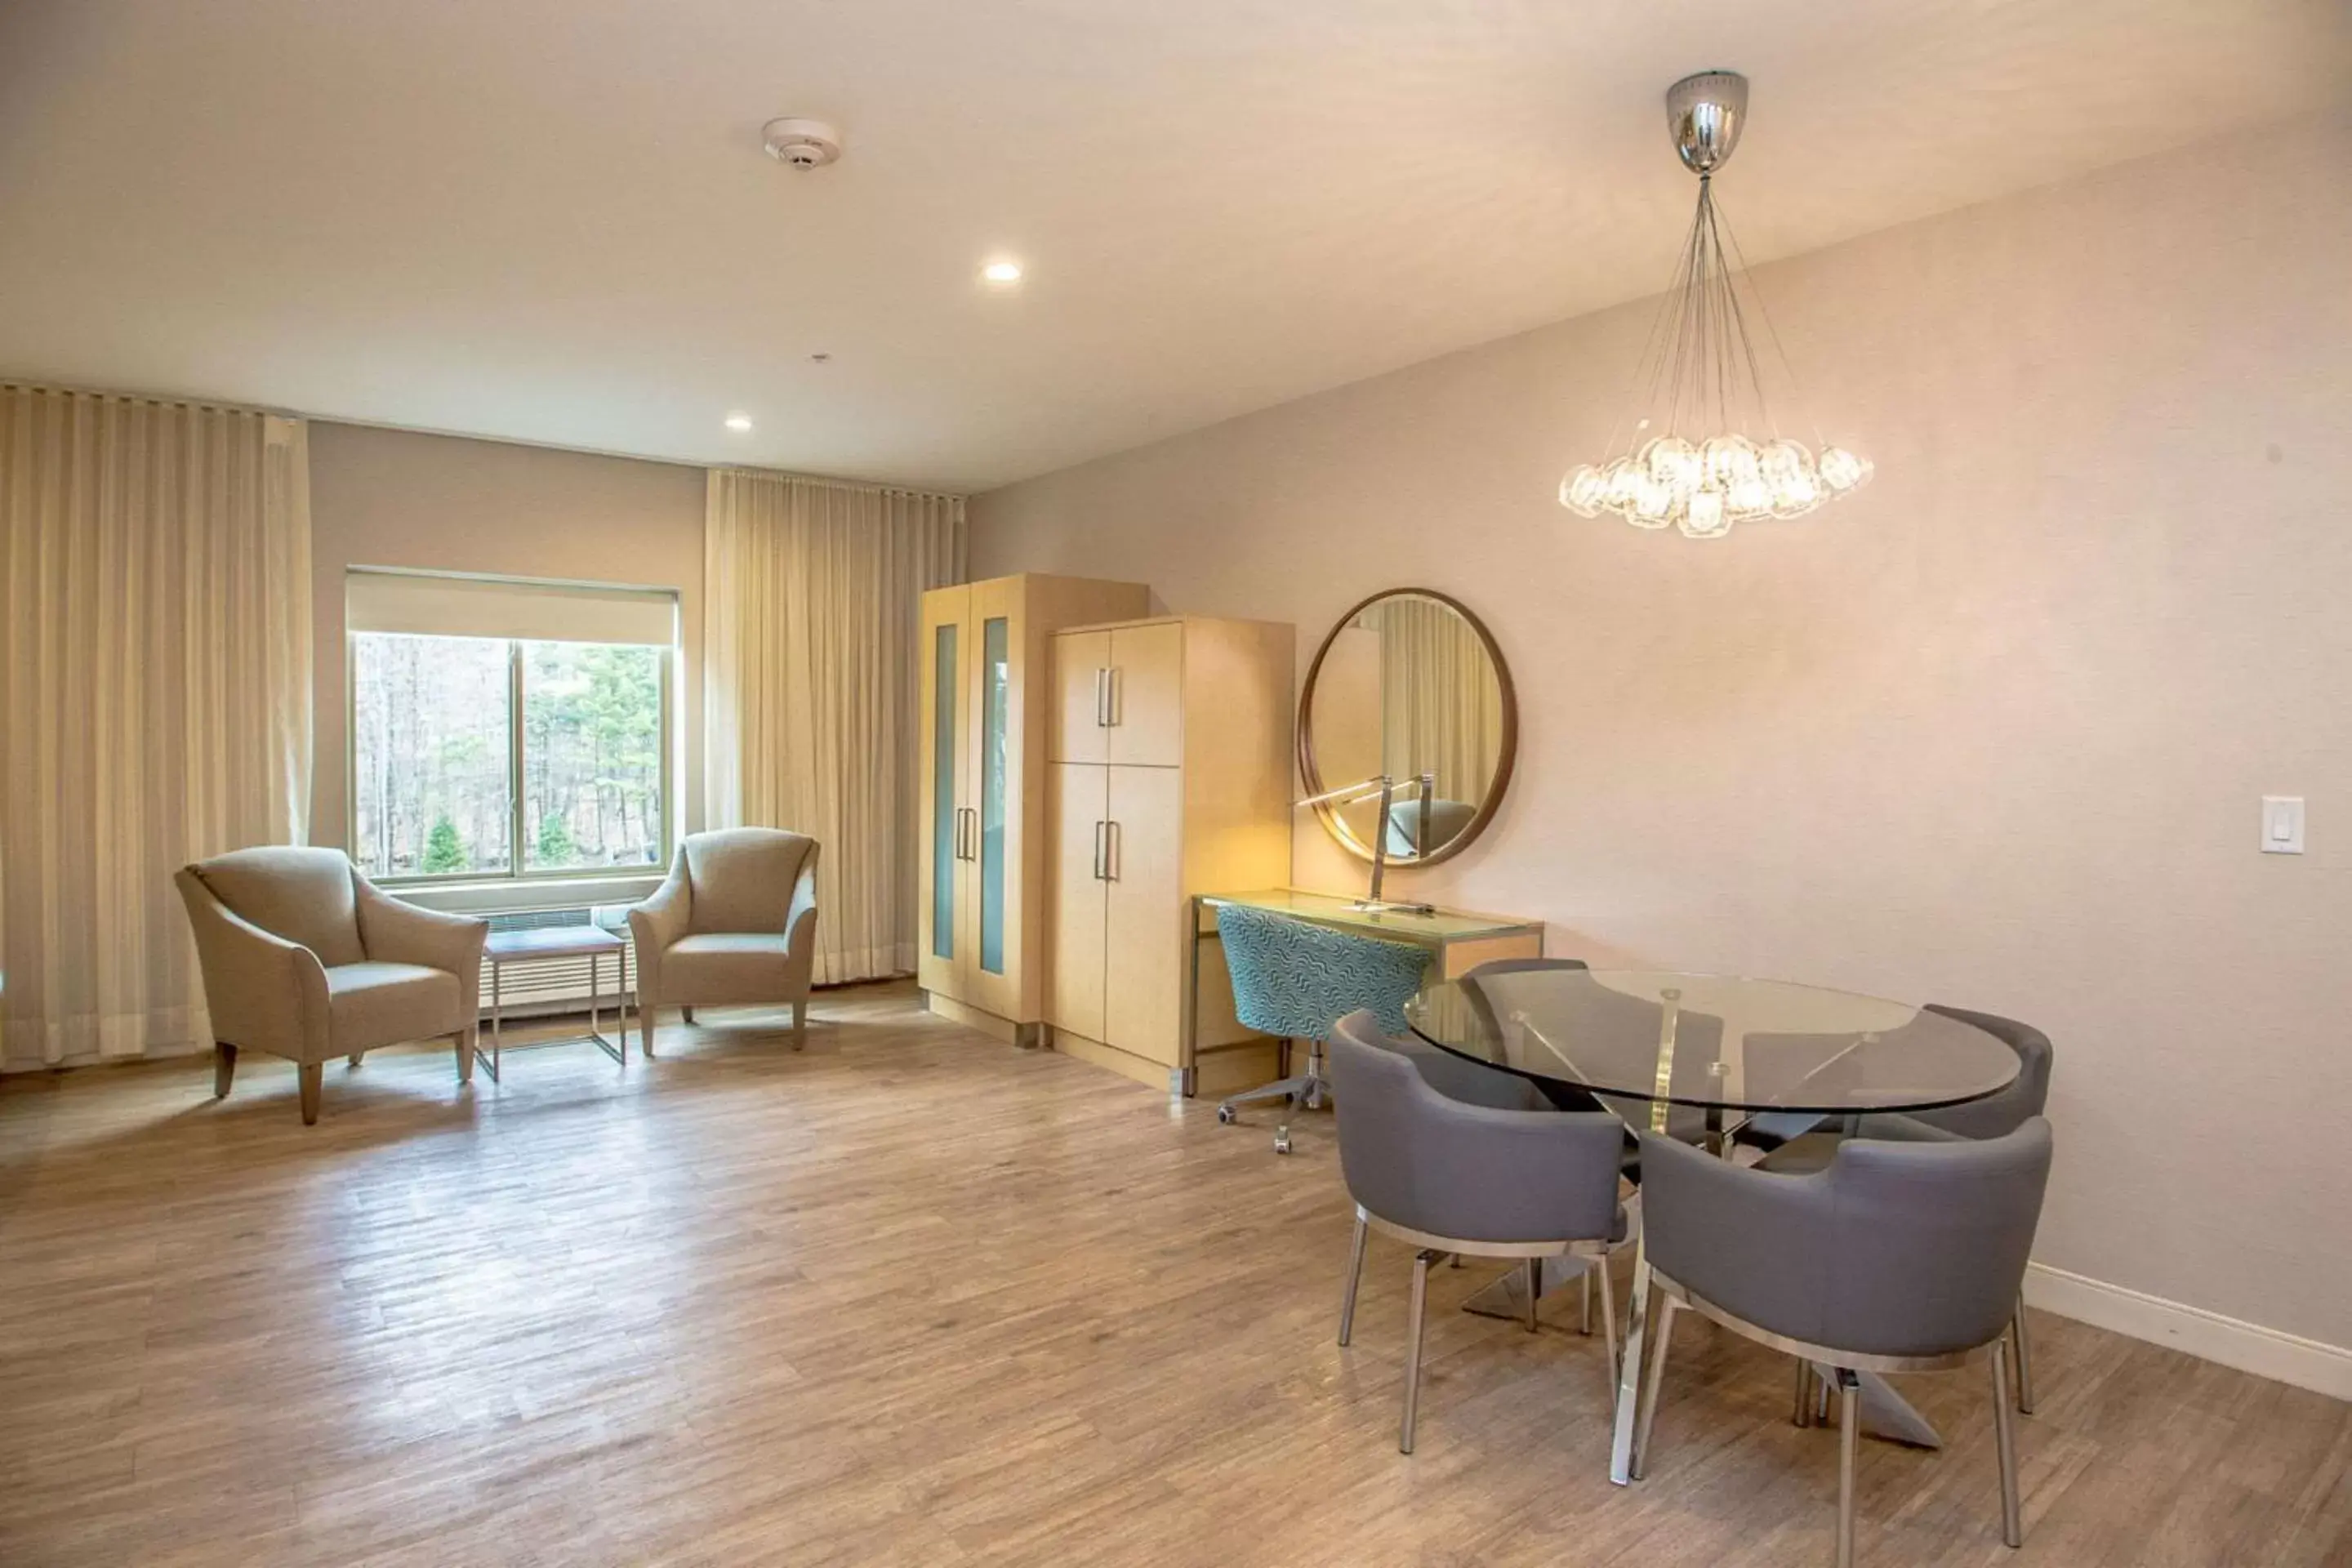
{"points": [[551, 220]]}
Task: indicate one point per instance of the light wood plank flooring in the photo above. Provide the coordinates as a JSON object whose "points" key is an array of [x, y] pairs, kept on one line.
{"points": [[917, 1297]]}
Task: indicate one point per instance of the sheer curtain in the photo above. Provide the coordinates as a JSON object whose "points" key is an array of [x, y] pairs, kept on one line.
{"points": [[811, 609], [154, 700]]}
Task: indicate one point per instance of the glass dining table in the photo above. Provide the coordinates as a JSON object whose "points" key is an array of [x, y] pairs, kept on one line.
{"points": [[1697, 1057]]}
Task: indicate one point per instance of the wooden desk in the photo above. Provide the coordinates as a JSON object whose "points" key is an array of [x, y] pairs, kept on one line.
{"points": [[1458, 940]]}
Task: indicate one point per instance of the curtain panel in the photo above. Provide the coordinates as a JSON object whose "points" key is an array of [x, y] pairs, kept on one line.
{"points": [[811, 614], [154, 700]]}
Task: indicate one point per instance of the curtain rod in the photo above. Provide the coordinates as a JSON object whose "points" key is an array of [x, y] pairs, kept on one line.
{"points": [[10, 384], [750, 473], [204, 405]]}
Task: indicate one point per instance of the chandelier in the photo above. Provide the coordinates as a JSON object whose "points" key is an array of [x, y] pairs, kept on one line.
{"points": [[1705, 452]]}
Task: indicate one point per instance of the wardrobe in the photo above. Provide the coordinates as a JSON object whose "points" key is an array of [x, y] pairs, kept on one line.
{"points": [[984, 712], [1169, 750]]}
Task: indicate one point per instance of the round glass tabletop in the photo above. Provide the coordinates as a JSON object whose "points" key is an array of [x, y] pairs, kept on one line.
{"points": [[1713, 1040]]}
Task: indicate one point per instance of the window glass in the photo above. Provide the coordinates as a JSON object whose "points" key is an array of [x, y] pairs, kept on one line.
{"points": [[436, 775], [431, 755], [592, 734]]}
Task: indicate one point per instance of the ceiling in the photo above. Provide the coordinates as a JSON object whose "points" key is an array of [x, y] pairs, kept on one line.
{"points": [[552, 220]]}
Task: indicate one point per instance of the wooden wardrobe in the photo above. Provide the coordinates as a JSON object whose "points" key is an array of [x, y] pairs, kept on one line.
{"points": [[984, 710], [1170, 757]]}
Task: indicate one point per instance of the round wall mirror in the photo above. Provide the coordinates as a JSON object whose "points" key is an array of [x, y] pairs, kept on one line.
{"points": [[1409, 686]]}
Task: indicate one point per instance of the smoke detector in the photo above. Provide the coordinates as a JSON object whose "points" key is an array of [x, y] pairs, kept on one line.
{"points": [[801, 143]]}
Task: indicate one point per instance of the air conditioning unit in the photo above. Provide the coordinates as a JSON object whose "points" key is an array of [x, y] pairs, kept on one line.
{"points": [[551, 985]]}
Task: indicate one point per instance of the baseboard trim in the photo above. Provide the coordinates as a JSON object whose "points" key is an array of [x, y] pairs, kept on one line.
{"points": [[2250, 1347]]}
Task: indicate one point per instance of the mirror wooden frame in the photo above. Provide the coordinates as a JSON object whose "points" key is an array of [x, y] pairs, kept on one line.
{"points": [[1505, 759]]}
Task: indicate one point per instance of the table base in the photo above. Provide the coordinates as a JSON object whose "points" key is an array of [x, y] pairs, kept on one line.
{"points": [[489, 1060], [1885, 1413]]}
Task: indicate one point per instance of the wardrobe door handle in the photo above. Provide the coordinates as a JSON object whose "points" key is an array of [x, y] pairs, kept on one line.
{"points": [[967, 830], [1102, 697], [1118, 696], [1112, 844], [1099, 851]]}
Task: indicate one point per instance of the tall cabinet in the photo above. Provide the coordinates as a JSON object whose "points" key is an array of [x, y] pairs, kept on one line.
{"points": [[1170, 748], [984, 713]]}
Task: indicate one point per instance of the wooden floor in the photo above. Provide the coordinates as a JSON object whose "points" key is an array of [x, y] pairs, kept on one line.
{"points": [[917, 1297]]}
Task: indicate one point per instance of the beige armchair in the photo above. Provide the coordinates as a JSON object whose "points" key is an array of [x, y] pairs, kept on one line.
{"points": [[305, 958], [733, 923]]}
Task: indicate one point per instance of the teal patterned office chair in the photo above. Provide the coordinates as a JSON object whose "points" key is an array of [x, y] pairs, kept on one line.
{"points": [[1296, 981]]}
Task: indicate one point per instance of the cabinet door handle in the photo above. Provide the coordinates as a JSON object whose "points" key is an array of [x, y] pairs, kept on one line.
{"points": [[1112, 844], [1099, 851], [968, 832], [1118, 694], [958, 833], [1102, 697]]}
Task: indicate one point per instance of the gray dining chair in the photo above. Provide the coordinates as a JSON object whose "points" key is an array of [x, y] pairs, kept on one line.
{"points": [[1452, 1178], [1995, 1116], [1893, 1257]]}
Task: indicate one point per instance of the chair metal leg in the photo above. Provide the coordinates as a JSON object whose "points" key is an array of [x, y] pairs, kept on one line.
{"points": [[1849, 1454], [310, 1073], [1413, 1348], [1609, 1324], [1535, 1289], [2004, 1433], [1804, 1415], [223, 1067], [2024, 1357], [1355, 1275], [1652, 1377]]}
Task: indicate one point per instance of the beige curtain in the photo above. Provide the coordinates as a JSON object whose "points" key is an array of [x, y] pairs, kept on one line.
{"points": [[1443, 705], [154, 700], [810, 604]]}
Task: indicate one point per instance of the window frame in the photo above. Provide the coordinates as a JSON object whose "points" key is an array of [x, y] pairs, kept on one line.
{"points": [[515, 871]]}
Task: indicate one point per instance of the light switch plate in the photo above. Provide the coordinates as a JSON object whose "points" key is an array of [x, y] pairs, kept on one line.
{"points": [[2282, 825]]}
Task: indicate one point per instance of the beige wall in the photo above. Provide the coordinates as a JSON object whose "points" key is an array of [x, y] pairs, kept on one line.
{"points": [[1993, 731], [392, 497]]}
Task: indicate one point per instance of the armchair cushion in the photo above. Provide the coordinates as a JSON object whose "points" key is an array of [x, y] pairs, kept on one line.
{"points": [[370, 1005], [730, 966], [741, 878], [304, 896]]}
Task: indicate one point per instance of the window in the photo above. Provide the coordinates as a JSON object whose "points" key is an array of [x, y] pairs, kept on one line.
{"points": [[522, 754]]}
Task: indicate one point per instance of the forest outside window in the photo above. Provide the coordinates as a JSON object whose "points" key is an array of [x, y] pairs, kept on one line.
{"points": [[477, 755]]}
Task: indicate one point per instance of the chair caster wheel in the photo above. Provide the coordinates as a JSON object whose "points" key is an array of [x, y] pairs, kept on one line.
{"points": [[1225, 1115], [1282, 1141]]}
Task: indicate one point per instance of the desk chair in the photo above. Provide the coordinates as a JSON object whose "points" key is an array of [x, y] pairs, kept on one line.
{"points": [[1294, 981]]}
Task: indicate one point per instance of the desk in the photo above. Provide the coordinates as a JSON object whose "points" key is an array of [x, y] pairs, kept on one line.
{"points": [[1458, 941]]}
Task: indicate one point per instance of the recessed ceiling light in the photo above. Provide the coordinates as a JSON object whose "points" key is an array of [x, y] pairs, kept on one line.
{"points": [[739, 423], [1002, 272]]}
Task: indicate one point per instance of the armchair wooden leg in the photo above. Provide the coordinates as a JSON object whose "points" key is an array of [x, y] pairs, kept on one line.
{"points": [[466, 1039], [223, 1067], [799, 1023], [646, 1011], [312, 1073], [353, 1060], [687, 1012]]}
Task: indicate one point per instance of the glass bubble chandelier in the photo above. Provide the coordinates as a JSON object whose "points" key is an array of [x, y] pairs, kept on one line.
{"points": [[1704, 451]]}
